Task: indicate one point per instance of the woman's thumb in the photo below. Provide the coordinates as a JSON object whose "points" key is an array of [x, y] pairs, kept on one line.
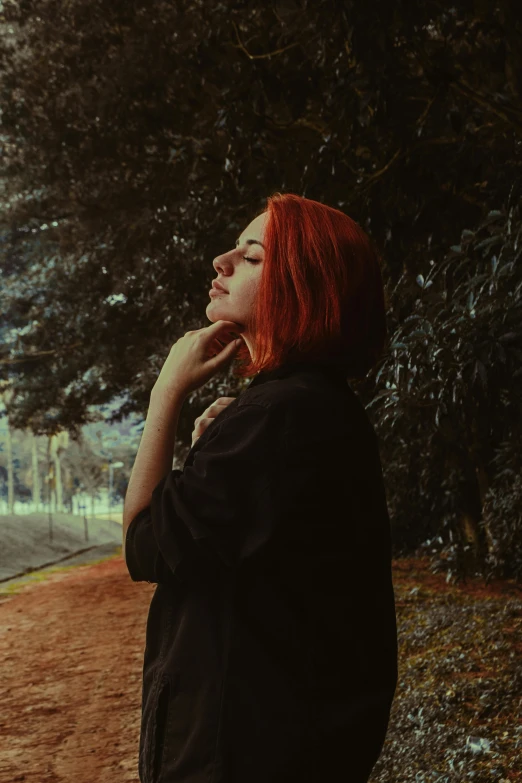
{"points": [[229, 349]]}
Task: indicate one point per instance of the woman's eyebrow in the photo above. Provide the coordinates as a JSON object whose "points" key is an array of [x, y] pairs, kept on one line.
{"points": [[251, 242]]}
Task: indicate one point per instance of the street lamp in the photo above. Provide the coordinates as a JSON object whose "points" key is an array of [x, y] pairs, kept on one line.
{"points": [[112, 465]]}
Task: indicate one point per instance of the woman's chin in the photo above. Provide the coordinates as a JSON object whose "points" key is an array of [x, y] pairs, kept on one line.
{"points": [[216, 313]]}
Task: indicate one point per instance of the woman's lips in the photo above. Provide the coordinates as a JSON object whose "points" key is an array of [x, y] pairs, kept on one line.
{"points": [[216, 291]]}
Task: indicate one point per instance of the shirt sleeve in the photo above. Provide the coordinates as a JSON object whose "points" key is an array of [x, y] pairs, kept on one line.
{"points": [[201, 519]]}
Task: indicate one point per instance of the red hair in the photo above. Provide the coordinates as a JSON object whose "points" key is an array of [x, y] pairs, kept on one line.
{"points": [[320, 295]]}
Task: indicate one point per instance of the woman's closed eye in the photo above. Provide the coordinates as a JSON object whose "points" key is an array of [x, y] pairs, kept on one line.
{"points": [[252, 260]]}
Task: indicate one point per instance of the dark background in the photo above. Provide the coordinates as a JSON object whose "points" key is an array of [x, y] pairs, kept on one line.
{"points": [[139, 138]]}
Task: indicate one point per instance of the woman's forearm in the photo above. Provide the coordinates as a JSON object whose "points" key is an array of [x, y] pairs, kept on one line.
{"points": [[155, 453]]}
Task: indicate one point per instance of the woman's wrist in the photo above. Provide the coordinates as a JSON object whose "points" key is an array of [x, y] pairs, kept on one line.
{"points": [[167, 396]]}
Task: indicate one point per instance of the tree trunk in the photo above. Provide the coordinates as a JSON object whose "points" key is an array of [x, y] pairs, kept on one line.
{"points": [[36, 478], [474, 555], [10, 480]]}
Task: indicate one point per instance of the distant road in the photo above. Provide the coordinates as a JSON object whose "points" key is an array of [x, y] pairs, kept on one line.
{"points": [[116, 516], [30, 542]]}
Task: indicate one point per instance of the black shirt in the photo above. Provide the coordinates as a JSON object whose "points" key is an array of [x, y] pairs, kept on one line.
{"points": [[271, 640]]}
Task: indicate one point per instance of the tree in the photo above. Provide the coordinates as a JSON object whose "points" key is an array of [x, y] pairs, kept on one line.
{"points": [[85, 467], [140, 138], [450, 409]]}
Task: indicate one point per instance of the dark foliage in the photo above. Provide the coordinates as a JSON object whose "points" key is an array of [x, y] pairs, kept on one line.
{"points": [[140, 138], [456, 713]]}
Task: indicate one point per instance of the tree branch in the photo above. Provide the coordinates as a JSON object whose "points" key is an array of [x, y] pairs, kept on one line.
{"points": [[465, 89], [38, 354], [241, 46]]}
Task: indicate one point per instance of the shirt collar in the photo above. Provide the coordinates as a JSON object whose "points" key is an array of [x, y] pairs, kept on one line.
{"points": [[332, 371]]}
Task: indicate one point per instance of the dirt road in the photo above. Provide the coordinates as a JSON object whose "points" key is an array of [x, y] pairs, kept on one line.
{"points": [[71, 649], [71, 652]]}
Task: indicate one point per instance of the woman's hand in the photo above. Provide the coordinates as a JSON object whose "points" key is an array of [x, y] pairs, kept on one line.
{"points": [[196, 357], [208, 415]]}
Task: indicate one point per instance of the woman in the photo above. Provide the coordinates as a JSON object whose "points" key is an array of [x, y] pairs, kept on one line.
{"points": [[271, 642]]}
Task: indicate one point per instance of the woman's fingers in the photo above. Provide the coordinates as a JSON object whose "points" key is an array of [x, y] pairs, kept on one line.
{"points": [[215, 407], [208, 415]]}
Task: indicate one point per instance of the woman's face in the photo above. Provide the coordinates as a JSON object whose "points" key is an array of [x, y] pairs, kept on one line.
{"points": [[240, 278]]}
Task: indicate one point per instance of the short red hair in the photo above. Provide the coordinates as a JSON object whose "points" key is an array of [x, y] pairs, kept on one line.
{"points": [[321, 293]]}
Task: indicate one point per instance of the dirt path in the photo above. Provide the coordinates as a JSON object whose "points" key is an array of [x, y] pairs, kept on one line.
{"points": [[72, 649], [71, 652]]}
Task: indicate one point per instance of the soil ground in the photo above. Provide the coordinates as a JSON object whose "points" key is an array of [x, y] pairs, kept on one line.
{"points": [[71, 651]]}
